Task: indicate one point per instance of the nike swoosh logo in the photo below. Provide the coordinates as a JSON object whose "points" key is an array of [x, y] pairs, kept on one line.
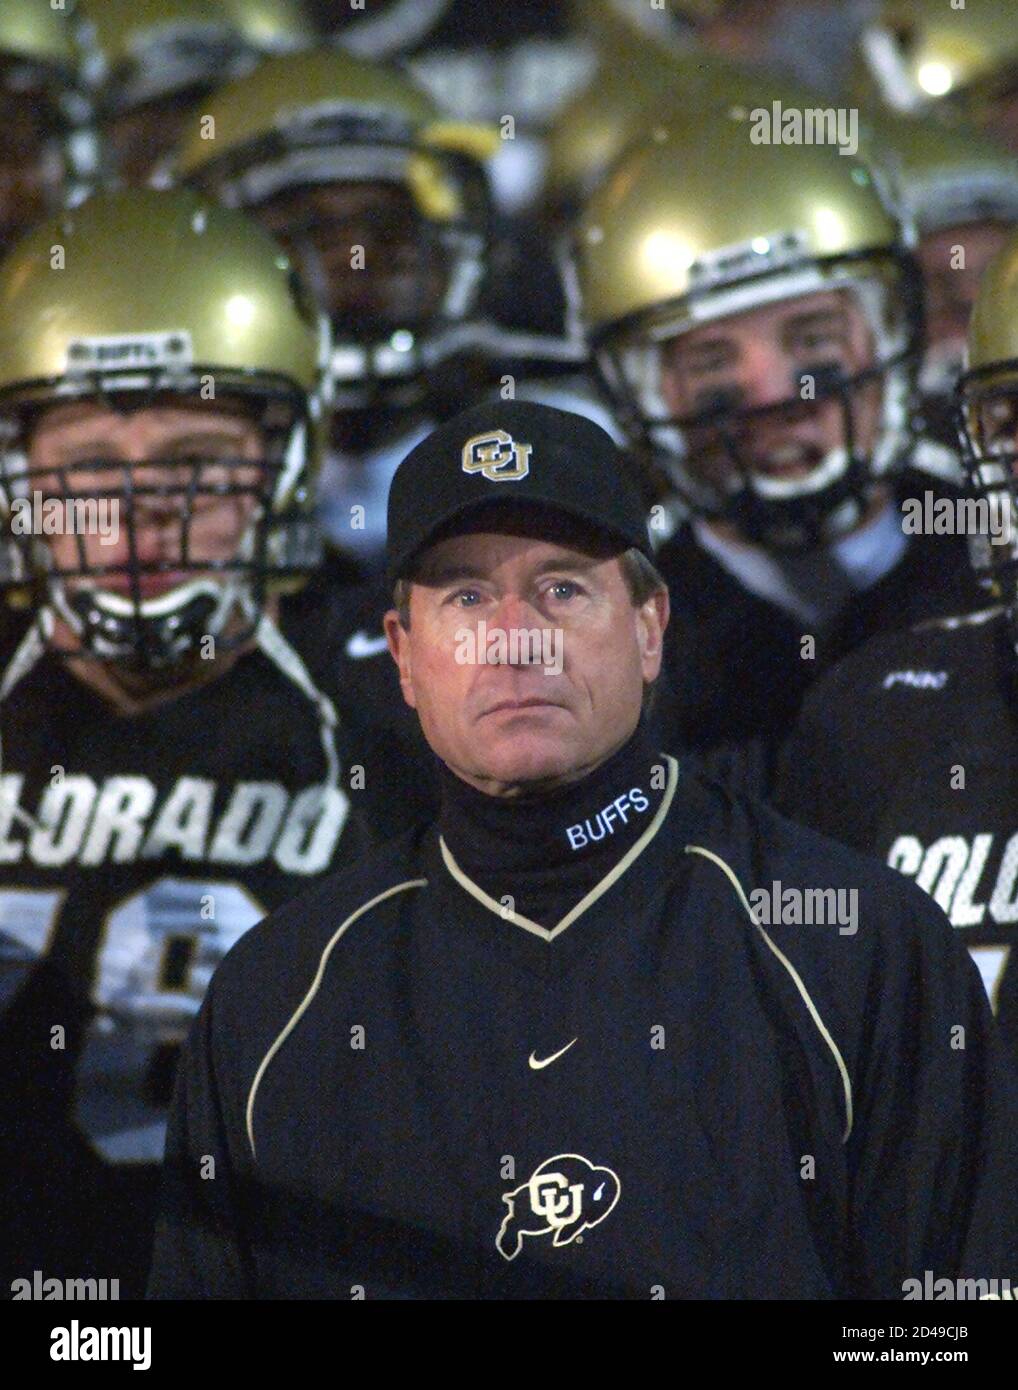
{"points": [[361, 645], [535, 1065]]}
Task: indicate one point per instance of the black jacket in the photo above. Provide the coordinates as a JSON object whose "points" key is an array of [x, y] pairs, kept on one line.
{"points": [[721, 1107]]}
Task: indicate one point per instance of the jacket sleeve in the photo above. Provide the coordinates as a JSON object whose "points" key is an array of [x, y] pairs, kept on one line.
{"points": [[933, 1156], [200, 1251]]}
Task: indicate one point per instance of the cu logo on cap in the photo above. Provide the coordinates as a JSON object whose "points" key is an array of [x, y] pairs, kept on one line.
{"points": [[498, 456]]}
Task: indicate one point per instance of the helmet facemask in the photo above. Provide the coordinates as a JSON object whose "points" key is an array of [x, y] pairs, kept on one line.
{"points": [[950, 294], [116, 607], [832, 496], [988, 433]]}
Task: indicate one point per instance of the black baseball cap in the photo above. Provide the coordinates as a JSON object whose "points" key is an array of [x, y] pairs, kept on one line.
{"points": [[516, 452]]}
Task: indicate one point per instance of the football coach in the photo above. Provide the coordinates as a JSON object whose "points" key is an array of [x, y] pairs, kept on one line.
{"points": [[604, 1030]]}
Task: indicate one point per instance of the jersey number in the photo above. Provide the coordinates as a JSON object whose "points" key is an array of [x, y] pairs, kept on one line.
{"points": [[158, 950]]}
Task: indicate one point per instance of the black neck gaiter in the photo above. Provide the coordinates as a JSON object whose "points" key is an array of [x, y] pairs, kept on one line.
{"points": [[546, 852]]}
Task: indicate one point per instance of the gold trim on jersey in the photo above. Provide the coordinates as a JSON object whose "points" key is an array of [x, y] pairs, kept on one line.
{"points": [[305, 1003], [550, 933], [814, 1013]]}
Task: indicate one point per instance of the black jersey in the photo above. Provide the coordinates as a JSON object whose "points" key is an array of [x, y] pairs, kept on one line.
{"points": [[405, 1085], [909, 750], [737, 665], [133, 853]]}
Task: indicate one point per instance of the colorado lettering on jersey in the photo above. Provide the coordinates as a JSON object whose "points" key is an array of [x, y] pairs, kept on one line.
{"points": [[124, 819], [952, 869], [605, 822]]}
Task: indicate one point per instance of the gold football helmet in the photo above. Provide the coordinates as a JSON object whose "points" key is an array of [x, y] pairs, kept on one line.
{"points": [[163, 298], [382, 204], [665, 244], [960, 189], [943, 173], [620, 103], [609, 22]]}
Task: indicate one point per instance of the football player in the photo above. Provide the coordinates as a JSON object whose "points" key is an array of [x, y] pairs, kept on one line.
{"points": [[961, 191], [172, 765], [759, 336], [146, 65], [909, 748], [591, 132], [385, 209]]}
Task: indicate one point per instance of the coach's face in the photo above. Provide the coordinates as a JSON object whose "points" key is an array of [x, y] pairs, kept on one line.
{"points": [[503, 724]]}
